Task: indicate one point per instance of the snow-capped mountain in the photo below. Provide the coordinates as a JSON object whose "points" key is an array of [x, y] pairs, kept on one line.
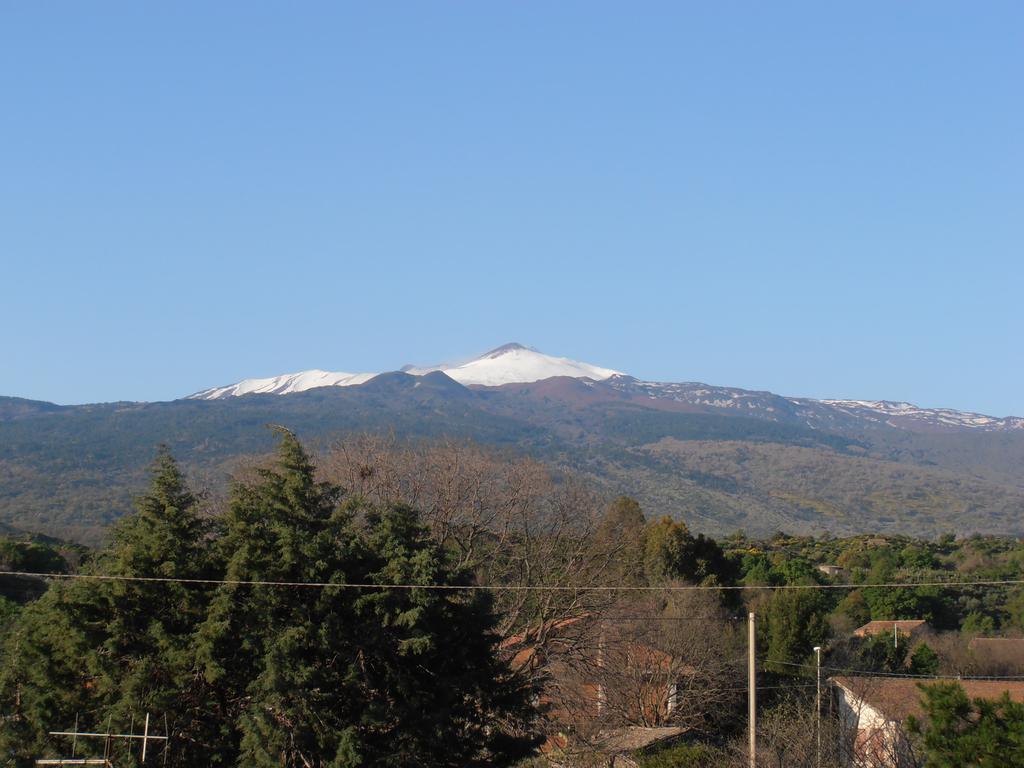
{"points": [[518, 364], [508, 364], [515, 364], [285, 384]]}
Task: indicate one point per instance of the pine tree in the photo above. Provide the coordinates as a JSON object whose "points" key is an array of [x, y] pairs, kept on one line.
{"points": [[924, 661], [795, 621], [111, 650], [336, 677], [253, 674], [881, 653], [279, 655], [44, 680], [956, 731], [433, 689]]}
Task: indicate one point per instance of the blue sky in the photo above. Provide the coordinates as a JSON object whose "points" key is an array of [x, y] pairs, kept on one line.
{"points": [[810, 198]]}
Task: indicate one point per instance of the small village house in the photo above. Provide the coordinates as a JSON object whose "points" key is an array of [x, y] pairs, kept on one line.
{"points": [[601, 687], [898, 628], [873, 713], [832, 571]]}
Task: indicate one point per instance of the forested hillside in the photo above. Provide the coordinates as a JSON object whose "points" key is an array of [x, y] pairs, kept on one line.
{"points": [[71, 471]]}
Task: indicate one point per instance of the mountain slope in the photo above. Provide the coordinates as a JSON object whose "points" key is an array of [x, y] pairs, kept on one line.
{"points": [[70, 473], [514, 365], [833, 415], [18, 408], [726, 457], [896, 414], [794, 487]]}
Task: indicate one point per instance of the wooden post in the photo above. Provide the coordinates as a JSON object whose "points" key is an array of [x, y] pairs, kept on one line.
{"points": [[752, 685], [817, 704]]}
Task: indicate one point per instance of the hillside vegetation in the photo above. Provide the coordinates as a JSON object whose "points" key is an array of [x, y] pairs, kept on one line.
{"points": [[289, 624], [71, 471]]}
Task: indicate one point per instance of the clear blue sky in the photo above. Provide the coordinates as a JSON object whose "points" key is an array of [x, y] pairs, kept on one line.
{"points": [[812, 199]]}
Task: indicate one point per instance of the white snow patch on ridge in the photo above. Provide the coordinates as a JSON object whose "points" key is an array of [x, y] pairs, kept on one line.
{"points": [[941, 416], [285, 384], [508, 364], [516, 364], [891, 408]]}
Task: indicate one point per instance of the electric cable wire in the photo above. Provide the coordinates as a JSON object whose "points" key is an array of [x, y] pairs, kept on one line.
{"points": [[907, 675], [508, 587]]}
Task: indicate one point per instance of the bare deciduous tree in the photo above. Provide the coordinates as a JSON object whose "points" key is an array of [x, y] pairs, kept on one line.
{"points": [[671, 659], [507, 517]]}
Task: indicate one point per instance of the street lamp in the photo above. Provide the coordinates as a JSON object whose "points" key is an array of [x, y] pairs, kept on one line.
{"points": [[817, 701]]}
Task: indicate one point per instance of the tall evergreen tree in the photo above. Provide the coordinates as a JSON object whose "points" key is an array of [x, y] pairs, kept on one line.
{"points": [[111, 650], [433, 688], [279, 655], [340, 677], [795, 622], [260, 674]]}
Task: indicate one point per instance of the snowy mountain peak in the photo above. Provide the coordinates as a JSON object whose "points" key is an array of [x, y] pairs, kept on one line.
{"points": [[508, 364], [517, 364], [285, 384], [505, 348]]}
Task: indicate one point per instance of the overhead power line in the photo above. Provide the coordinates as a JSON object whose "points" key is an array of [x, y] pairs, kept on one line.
{"points": [[871, 673], [510, 587]]}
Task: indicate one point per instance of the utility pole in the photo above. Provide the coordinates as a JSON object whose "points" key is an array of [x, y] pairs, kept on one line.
{"points": [[817, 702], [752, 693]]}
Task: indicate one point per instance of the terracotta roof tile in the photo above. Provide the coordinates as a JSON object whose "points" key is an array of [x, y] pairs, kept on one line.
{"points": [[906, 626], [897, 698]]}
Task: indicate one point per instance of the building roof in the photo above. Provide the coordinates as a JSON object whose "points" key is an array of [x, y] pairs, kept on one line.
{"points": [[897, 697], [1008, 651], [524, 647], [550, 627], [560, 634], [906, 626]]}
